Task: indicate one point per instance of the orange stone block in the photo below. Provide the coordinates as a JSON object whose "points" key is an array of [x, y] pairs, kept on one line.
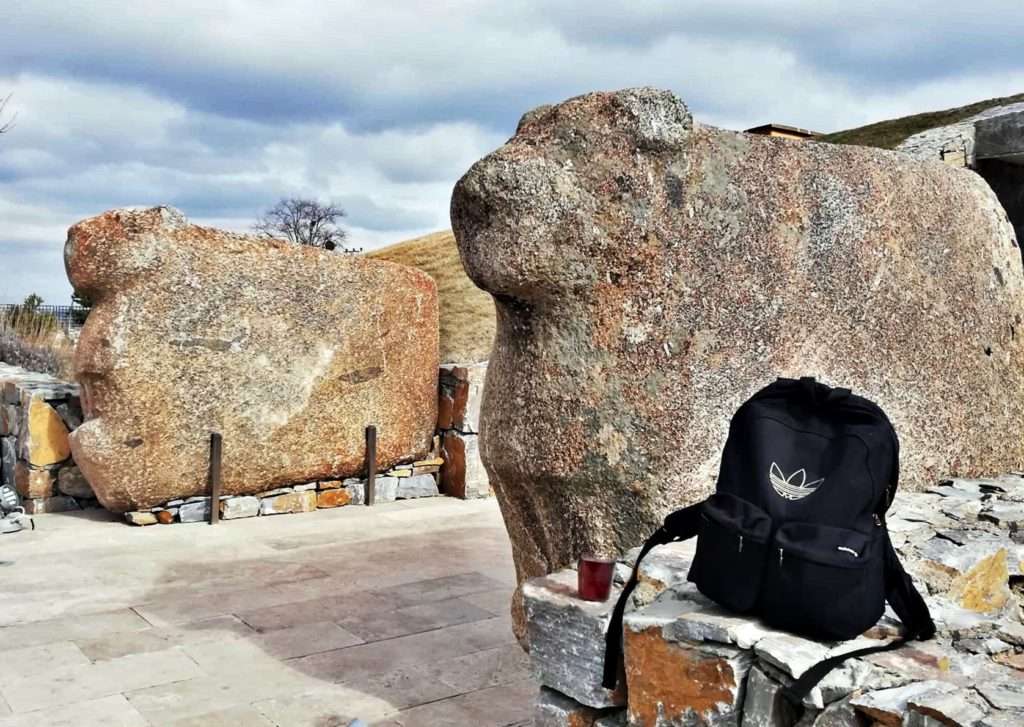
{"points": [[682, 684], [333, 498], [47, 435]]}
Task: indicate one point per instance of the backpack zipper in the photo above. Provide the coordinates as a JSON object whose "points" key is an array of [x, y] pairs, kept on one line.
{"points": [[741, 543], [780, 557]]}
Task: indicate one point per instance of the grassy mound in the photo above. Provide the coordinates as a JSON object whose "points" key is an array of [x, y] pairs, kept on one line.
{"points": [[887, 134], [467, 313]]}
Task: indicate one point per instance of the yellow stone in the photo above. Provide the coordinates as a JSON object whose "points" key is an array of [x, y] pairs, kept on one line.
{"points": [[984, 587], [47, 435]]}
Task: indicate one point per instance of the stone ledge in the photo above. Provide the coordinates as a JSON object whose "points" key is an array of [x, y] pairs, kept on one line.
{"points": [[688, 661]]}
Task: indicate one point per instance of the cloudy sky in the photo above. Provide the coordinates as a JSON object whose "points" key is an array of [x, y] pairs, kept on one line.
{"points": [[222, 108]]}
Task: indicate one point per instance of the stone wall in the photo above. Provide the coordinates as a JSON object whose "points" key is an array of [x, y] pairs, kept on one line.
{"points": [[962, 144], [458, 425], [37, 412], [403, 482], [690, 662]]}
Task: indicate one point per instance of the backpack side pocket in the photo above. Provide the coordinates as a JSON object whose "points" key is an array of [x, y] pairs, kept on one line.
{"points": [[732, 547], [824, 582]]}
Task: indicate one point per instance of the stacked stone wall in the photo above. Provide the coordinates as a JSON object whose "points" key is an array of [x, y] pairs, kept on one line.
{"points": [[458, 426], [37, 412], [687, 661]]}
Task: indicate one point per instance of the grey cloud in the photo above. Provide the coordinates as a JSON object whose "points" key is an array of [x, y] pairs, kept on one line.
{"points": [[382, 106]]}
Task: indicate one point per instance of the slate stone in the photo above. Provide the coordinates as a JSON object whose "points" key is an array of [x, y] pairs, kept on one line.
{"points": [[10, 416], [961, 707], [763, 703], [888, 705], [239, 507], [8, 458], [554, 709], [416, 486], [195, 512], [288, 503], [1007, 695], [567, 639]]}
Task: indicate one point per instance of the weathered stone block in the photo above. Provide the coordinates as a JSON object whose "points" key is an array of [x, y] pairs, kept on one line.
{"points": [[238, 507], [32, 482], [71, 481], [461, 388], [333, 498], [8, 457], [141, 518], [205, 320], [763, 703], [70, 412], [328, 484], [305, 487], [10, 415], [195, 512], [417, 486], [290, 502], [961, 707], [887, 706], [644, 267], [57, 503], [554, 709], [679, 683], [463, 474], [385, 489], [1003, 695], [43, 439], [566, 638]]}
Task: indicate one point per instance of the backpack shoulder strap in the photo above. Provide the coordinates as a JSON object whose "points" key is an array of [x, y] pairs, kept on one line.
{"points": [[908, 604], [680, 525]]}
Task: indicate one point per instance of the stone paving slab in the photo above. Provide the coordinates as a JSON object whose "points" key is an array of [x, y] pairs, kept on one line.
{"points": [[397, 614]]}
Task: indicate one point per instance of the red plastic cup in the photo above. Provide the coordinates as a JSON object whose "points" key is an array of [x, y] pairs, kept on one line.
{"points": [[594, 577]]}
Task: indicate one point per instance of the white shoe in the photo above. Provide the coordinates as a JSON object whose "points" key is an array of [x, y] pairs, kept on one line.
{"points": [[12, 522]]}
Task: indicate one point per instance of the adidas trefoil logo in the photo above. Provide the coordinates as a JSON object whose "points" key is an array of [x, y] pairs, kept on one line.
{"points": [[794, 487]]}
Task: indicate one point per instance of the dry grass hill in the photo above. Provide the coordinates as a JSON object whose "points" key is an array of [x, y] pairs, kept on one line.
{"points": [[467, 313], [887, 134]]}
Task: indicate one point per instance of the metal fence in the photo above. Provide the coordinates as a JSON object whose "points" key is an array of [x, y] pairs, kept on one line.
{"points": [[68, 316]]}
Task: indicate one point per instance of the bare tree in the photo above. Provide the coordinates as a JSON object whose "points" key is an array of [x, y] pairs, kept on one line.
{"points": [[7, 125], [304, 222]]}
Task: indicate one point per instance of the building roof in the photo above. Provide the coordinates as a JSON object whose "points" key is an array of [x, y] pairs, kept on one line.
{"points": [[782, 128]]}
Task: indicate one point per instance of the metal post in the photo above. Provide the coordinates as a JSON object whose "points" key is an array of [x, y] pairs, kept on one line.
{"points": [[371, 463], [215, 459]]}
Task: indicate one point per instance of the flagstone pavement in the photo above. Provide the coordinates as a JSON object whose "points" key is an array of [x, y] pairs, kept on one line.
{"points": [[395, 614]]}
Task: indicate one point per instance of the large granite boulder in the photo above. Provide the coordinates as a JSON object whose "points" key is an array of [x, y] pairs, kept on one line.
{"points": [[651, 273], [288, 351]]}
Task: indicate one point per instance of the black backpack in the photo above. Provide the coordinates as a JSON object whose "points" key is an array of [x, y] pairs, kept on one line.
{"points": [[795, 533]]}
